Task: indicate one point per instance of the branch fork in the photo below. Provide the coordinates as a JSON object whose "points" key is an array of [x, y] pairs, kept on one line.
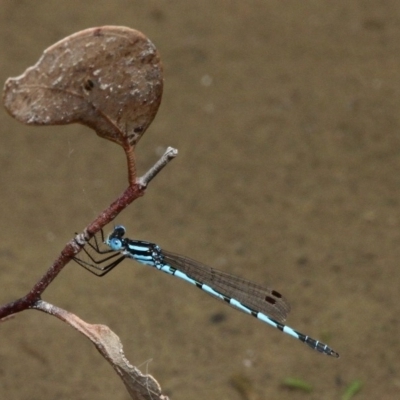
{"points": [[94, 66]]}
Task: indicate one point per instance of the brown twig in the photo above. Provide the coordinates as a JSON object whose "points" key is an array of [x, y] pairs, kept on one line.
{"points": [[75, 245]]}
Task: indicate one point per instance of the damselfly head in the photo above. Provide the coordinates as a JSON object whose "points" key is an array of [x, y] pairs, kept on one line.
{"points": [[115, 239]]}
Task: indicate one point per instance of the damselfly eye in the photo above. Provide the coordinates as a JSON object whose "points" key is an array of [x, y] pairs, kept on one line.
{"points": [[115, 244]]}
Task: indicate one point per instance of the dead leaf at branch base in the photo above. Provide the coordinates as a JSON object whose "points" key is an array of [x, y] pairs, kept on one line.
{"points": [[108, 78], [139, 386]]}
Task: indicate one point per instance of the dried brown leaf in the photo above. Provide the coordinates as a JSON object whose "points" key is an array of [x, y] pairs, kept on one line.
{"points": [[139, 386], [108, 78]]}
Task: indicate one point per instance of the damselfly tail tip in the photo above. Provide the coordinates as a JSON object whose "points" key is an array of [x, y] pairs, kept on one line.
{"points": [[333, 354]]}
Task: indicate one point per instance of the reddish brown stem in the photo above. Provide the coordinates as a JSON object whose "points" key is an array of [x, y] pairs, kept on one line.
{"points": [[130, 156], [71, 249], [134, 191]]}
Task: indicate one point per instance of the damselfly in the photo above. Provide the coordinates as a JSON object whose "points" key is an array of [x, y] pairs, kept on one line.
{"points": [[263, 303]]}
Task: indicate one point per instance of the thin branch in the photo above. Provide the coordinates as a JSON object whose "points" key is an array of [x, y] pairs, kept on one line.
{"points": [[168, 156], [74, 246], [131, 163]]}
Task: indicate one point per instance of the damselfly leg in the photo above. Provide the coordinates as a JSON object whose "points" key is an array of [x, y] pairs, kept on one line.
{"points": [[99, 266]]}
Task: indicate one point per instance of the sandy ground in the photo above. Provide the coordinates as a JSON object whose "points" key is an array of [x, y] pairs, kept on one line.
{"points": [[286, 117]]}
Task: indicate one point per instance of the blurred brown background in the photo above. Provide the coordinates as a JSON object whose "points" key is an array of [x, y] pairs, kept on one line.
{"points": [[286, 117]]}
